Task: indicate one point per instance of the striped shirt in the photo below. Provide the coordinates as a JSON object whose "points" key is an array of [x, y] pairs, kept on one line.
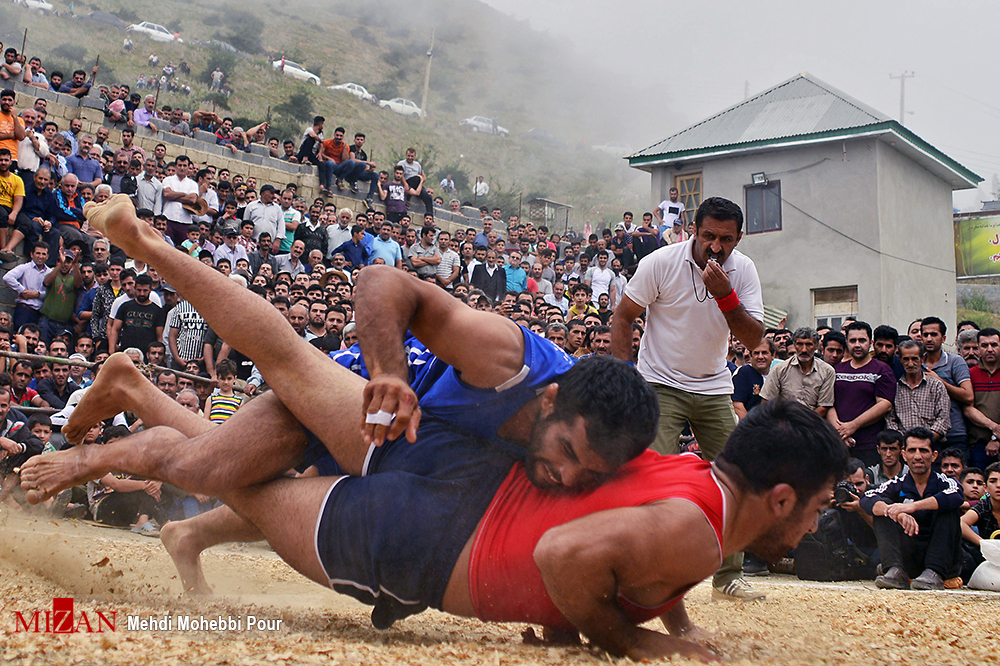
{"points": [[190, 327], [223, 406]]}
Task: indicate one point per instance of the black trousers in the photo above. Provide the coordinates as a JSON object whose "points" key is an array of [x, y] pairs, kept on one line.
{"points": [[937, 546], [423, 196]]}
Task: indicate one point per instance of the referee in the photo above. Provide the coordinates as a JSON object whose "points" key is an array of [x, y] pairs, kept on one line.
{"points": [[694, 294]]}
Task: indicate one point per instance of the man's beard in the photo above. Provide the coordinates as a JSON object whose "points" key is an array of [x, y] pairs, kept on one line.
{"points": [[770, 546]]}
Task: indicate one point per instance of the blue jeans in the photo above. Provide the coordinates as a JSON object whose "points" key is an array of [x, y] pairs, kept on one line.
{"points": [[51, 328], [372, 178], [348, 170]]}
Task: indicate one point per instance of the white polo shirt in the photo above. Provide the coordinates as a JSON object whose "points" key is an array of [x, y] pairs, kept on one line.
{"points": [[687, 335]]}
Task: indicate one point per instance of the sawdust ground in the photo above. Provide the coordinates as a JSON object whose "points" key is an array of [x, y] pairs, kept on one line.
{"points": [[799, 623]]}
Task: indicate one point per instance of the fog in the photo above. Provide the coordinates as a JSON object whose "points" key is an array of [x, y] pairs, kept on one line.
{"points": [[675, 63]]}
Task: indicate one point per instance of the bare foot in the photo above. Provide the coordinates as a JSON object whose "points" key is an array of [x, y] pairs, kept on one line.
{"points": [[43, 477], [105, 398], [178, 538], [116, 219]]}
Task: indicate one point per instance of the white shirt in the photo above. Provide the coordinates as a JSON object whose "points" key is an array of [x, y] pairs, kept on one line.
{"points": [[27, 158], [174, 210], [212, 199], [266, 217], [481, 189], [600, 281], [670, 210], [687, 335]]}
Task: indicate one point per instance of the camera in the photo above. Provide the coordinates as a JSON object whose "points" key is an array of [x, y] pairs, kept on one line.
{"points": [[844, 492]]}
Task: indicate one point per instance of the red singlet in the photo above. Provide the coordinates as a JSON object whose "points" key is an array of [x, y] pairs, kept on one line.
{"points": [[504, 581]]}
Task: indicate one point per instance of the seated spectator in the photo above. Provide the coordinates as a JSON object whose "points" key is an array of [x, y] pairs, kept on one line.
{"points": [[16, 441], [34, 75], [982, 521], [176, 124], [35, 221], [142, 116], [973, 483], [916, 521], [120, 500]]}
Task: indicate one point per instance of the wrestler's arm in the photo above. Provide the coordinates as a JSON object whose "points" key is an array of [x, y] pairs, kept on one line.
{"points": [[485, 348], [664, 546]]}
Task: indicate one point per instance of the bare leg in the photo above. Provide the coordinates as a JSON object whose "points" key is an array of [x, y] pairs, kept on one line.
{"points": [[305, 380], [269, 505], [15, 238], [120, 387], [186, 539], [260, 442]]}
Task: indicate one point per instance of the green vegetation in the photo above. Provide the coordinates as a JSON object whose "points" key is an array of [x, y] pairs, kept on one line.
{"points": [[484, 63]]}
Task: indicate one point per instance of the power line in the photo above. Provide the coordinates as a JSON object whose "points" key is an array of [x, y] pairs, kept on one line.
{"points": [[861, 243]]}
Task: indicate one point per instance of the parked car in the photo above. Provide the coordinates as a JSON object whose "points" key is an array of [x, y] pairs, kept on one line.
{"points": [[354, 89], [37, 4], [401, 106], [616, 148], [155, 31], [484, 125], [296, 71], [545, 136]]}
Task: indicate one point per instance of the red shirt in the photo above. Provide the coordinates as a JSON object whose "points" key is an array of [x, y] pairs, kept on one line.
{"points": [[504, 581]]}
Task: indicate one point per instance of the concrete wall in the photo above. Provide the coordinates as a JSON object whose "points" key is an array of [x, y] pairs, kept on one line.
{"points": [[836, 187], [915, 214]]}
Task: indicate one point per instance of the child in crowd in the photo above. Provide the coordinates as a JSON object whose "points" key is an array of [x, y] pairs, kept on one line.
{"points": [[223, 402], [193, 243]]}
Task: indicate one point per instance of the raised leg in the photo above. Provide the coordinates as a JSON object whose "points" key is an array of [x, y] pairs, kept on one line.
{"points": [[325, 397], [260, 442]]}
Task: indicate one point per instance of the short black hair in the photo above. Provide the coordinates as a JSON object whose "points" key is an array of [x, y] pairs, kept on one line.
{"points": [[781, 441], [720, 209], [968, 322], [964, 473], [853, 465], [987, 333], [835, 336], [620, 409], [922, 433], [891, 437], [143, 280], [930, 321], [950, 452], [858, 326], [885, 332]]}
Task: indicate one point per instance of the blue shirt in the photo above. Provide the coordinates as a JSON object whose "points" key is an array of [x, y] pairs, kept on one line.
{"points": [[952, 369], [388, 250], [354, 253], [87, 170], [517, 279]]}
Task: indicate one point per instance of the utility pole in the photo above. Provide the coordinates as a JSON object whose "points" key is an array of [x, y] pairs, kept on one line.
{"points": [[427, 77], [902, 94]]}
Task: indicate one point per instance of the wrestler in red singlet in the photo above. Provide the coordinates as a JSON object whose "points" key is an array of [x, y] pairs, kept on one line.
{"points": [[504, 581]]}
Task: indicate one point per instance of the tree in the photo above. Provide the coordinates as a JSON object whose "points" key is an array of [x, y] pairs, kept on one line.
{"points": [[298, 106]]}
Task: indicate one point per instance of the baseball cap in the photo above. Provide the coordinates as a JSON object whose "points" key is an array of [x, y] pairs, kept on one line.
{"points": [[165, 286], [268, 187]]}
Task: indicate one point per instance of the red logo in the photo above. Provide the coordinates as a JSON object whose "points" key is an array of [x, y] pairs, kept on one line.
{"points": [[62, 620]]}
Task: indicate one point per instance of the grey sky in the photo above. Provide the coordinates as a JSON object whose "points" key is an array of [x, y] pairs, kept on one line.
{"points": [[693, 59]]}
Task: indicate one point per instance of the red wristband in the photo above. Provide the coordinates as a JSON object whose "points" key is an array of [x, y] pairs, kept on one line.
{"points": [[730, 302]]}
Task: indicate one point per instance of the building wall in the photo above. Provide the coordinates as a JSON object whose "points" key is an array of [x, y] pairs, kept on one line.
{"points": [[835, 183], [915, 214]]}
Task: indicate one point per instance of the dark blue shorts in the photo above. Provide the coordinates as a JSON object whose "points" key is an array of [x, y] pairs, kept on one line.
{"points": [[391, 538]]}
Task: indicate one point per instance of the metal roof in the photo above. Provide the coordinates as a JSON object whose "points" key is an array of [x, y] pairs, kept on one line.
{"points": [[800, 110]]}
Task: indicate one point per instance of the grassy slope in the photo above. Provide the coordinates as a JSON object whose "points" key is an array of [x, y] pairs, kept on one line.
{"points": [[484, 63]]}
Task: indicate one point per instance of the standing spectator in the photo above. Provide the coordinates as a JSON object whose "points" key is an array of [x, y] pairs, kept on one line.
{"points": [[142, 116], [481, 188], [424, 256], [863, 395], [11, 127], [149, 189], [34, 75], [217, 77], [449, 269], [921, 400], [61, 286], [385, 248], [670, 212], [953, 371], [230, 250], [28, 282], [187, 334], [415, 177], [600, 279], [83, 166], [267, 216], [33, 149], [139, 322], [917, 520], [292, 262], [11, 195], [339, 233], [984, 413], [178, 190], [490, 278], [749, 379], [967, 343], [394, 194], [695, 295], [885, 348], [803, 377]]}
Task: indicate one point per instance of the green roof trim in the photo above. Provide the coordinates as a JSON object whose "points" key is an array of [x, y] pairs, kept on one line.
{"points": [[841, 133]]}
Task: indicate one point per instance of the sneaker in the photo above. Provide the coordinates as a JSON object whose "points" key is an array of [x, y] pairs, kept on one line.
{"points": [[354, 187], [894, 579], [928, 580], [146, 529], [737, 590], [754, 567]]}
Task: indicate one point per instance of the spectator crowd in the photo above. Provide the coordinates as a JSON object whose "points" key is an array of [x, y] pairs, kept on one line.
{"points": [[922, 422]]}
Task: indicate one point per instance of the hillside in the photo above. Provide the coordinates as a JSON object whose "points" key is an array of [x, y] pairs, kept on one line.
{"points": [[484, 63]]}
